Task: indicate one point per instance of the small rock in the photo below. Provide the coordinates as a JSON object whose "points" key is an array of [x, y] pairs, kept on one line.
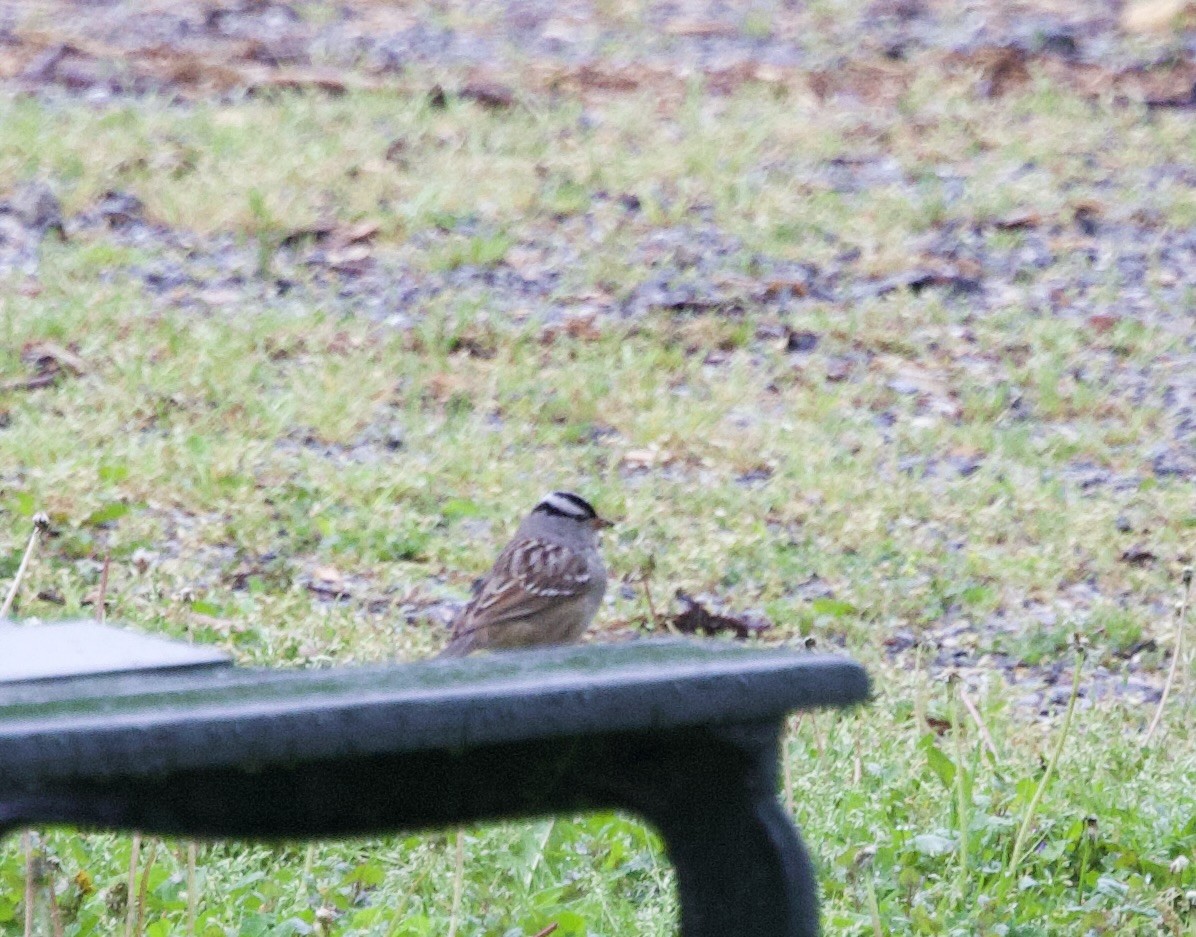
{"points": [[801, 341], [36, 206], [838, 369]]}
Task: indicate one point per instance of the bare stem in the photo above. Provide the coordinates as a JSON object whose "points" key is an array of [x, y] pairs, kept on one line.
{"points": [[976, 718], [103, 601], [458, 884], [30, 878], [878, 929], [192, 887], [131, 891], [645, 581], [1031, 810], [961, 794], [787, 761], [1180, 618], [143, 890], [40, 522]]}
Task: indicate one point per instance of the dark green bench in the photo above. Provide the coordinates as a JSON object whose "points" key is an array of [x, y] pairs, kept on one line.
{"points": [[169, 739]]}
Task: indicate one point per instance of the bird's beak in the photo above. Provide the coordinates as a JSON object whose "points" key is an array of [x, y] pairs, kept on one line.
{"points": [[600, 523]]}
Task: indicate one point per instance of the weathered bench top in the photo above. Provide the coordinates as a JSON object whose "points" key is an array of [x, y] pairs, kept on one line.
{"points": [[682, 733], [149, 722]]}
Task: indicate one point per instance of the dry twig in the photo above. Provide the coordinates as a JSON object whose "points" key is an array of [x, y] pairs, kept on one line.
{"points": [[1181, 617], [40, 523], [976, 718]]}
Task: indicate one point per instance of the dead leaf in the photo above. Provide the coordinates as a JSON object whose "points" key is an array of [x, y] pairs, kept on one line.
{"points": [[602, 78], [328, 581], [50, 362], [313, 232], [939, 726], [444, 386], [784, 287], [46, 355], [1181, 100], [1026, 218], [650, 457], [396, 151], [1102, 322], [882, 83], [489, 94], [329, 80], [838, 369], [353, 260], [1138, 555], [695, 618], [700, 29], [1001, 68], [361, 231], [1146, 16], [584, 328]]}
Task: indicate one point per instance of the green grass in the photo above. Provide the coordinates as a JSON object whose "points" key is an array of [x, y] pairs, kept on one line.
{"points": [[221, 456]]}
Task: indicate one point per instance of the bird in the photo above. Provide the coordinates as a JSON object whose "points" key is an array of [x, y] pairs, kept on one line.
{"points": [[546, 585]]}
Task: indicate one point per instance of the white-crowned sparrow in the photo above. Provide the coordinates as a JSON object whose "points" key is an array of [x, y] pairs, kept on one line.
{"points": [[544, 587]]}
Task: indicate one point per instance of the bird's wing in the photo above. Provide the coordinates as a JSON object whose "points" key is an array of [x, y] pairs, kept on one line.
{"points": [[527, 578]]}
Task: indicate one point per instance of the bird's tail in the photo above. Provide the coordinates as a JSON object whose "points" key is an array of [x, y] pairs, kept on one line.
{"points": [[457, 647]]}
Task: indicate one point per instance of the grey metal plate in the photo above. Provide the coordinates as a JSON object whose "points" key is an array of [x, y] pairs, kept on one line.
{"points": [[87, 648]]}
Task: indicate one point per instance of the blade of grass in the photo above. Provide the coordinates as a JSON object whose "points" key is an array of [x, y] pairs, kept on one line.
{"points": [[1019, 842]]}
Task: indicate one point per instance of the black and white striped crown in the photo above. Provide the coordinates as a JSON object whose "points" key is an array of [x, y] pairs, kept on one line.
{"points": [[566, 504]]}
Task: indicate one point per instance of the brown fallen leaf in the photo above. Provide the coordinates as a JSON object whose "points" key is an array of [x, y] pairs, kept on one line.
{"points": [[330, 81], [50, 362], [650, 457], [328, 581], [332, 235], [36, 382], [489, 94], [700, 29], [353, 260], [342, 237], [1102, 322], [396, 151], [695, 618], [1025, 218], [781, 287], [316, 231], [1181, 99], [1001, 68], [1138, 555], [602, 78], [939, 726]]}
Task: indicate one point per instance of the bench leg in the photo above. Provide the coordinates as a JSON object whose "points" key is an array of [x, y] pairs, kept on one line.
{"points": [[742, 870], [711, 792]]}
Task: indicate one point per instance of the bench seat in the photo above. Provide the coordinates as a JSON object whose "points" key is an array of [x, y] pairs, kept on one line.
{"points": [[681, 733]]}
